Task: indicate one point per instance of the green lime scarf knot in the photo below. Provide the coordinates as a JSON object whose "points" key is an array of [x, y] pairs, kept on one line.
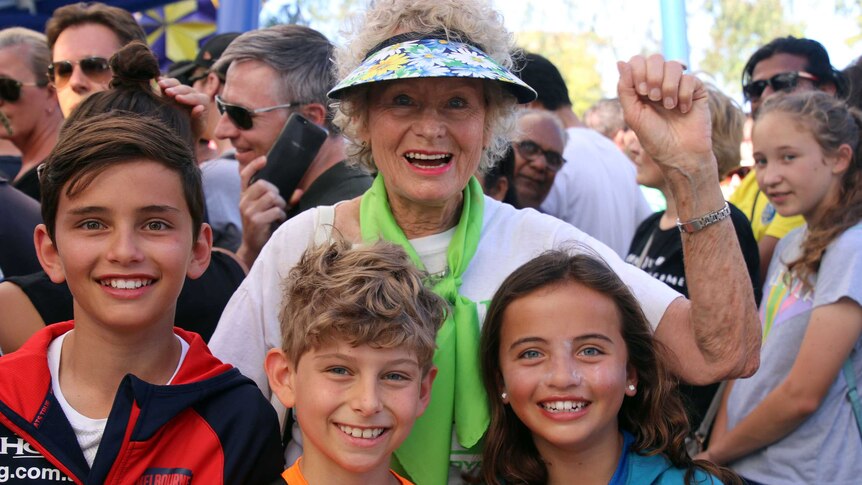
{"points": [[457, 394]]}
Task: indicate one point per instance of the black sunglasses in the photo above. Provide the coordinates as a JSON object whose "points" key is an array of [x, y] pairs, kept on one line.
{"points": [[10, 89], [61, 71], [243, 117], [780, 82], [531, 150]]}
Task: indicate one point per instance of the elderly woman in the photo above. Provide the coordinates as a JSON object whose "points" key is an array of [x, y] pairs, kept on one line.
{"points": [[427, 99]]}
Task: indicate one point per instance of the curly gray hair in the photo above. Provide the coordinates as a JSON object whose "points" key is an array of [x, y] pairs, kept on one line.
{"points": [[474, 19]]}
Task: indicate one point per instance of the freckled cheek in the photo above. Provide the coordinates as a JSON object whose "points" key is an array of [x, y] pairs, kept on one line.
{"points": [[606, 380], [522, 382]]}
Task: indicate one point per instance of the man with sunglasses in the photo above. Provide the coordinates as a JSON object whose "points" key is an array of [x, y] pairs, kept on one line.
{"points": [[82, 37], [274, 72], [595, 190], [538, 155], [786, 64], [29, 110]]}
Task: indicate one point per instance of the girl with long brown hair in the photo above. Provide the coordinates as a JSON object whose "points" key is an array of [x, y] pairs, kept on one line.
{"points": [[792, 422], [578, 387]]}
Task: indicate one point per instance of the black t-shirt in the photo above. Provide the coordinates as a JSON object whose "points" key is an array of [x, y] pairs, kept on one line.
{"points": [[19, 215], [29, 184], [663, 260], [199, 305], [339, 182]]}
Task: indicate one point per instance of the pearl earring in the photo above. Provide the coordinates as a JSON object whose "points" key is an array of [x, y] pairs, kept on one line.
{"points": [[504, 396], [631, 387]]}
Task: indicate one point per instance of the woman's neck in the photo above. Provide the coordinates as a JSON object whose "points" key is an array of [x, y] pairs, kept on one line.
{"points": [[36, 146], [424, 220], [594, 464]]}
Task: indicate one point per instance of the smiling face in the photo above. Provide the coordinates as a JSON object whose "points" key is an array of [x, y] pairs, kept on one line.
{"points": [[426, 136], [533, 177], [252, 85], [563, 364], [78, 42], [355, 405], [29, 110], [124, 245], [791, 168]]}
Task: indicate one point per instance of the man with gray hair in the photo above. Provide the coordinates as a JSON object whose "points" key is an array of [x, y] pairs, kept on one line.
{"points": [[272, 73], [606, 117]]}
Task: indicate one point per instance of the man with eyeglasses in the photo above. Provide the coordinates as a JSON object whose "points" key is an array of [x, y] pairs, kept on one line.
{"points": [[82, 37], [29, 111], [274, 72], [786, 64], [595, 190], [219, 168], [538, 155]]}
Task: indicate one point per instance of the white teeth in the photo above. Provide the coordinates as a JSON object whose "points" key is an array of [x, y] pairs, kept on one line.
{"points": [[126, 284], [562, 406], [422, 156], [367, 433]]}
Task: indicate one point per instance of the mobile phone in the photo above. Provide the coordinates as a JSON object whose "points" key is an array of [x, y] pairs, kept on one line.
{"points": [[292, 154]]}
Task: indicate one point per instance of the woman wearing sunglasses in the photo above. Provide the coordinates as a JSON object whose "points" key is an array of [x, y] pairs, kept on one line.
{"points": [[30, 115], [426, 100]]}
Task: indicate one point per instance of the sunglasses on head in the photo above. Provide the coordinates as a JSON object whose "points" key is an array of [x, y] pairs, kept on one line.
{"points": [[243, 117], [10, 89], [61, 71], [780, 82], [531, 150]]}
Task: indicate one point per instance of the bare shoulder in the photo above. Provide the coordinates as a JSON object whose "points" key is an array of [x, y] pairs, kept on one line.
{"points": [[19, 318], [347, 220]]}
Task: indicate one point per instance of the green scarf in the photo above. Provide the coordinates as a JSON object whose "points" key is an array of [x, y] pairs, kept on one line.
{"points": [[457, 393]]}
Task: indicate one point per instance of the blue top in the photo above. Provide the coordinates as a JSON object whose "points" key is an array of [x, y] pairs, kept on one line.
{"points": [[637, 469]]}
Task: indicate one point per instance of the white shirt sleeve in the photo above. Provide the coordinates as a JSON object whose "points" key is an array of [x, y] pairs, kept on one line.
{"points": [[249, 326]]}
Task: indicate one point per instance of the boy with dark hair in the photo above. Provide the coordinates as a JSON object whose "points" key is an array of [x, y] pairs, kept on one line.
{"points": [[356, 359], [119, 395]]}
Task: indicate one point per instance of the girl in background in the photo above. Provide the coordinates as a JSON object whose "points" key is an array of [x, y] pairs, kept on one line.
{"points": [[578, 388], [792, 423]]}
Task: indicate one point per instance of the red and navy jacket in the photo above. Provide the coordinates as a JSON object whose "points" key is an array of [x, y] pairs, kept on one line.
{"points": [[211, 425]]}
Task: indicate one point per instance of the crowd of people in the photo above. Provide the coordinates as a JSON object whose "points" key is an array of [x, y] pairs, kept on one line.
{"points": [[466, 284]]}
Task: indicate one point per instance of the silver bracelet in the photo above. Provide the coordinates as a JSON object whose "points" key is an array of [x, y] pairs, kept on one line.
{"points": [[695, 225]]}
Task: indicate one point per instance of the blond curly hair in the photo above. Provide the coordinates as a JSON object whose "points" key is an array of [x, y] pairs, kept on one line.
{"points": [[474, 21]]}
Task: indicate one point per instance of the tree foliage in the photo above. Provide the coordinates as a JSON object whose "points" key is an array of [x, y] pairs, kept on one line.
{"points": [[854, 8], [739, 28], [572, 54]]}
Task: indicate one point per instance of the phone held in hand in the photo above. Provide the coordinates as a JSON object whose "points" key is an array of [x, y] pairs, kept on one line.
{"points": [[292, 154]]}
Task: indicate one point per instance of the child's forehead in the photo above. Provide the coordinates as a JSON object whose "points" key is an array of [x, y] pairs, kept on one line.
{"points": [[139, 179], [362, 354]]}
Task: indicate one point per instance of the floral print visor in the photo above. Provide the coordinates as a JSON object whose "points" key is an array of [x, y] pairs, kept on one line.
{"points": [[432, 57]]}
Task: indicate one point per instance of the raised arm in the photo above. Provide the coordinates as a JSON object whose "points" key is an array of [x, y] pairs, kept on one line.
{"points": [[716, 334]]}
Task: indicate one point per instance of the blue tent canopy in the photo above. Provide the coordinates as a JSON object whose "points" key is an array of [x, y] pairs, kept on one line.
{"points": [[33, 14]]}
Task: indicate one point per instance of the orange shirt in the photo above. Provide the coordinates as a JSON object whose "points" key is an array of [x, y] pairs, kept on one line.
{"points": [[293, 475]]}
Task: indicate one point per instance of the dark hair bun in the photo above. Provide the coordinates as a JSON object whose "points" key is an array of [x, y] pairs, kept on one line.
{"points": [[134, 66]]}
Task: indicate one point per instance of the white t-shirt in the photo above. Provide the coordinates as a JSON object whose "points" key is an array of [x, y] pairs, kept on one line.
{"points": [[249, 325], [88, 430], [596, 190]]}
